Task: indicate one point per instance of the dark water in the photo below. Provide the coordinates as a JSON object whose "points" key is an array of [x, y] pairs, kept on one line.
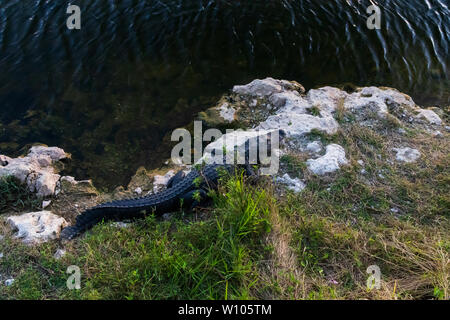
{"points": [[111, 92]]}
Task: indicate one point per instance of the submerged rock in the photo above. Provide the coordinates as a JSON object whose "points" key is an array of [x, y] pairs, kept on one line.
{"points": [[37, 227]]}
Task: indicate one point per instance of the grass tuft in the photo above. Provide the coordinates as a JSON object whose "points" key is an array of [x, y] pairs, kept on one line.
{"points": [[14, 196]]}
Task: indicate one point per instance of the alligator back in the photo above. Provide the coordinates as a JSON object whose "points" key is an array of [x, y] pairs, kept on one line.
{"points": [[165, 201]]}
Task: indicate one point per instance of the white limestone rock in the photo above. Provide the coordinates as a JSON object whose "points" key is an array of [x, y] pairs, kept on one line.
{"points": [[159, 182], [260, 88], [59, 254], [121, 224], [232, 141], [314, 147], [37, 169], [326, 98], [407, 154], [430, 116], [295, 184], [377, 99], [295, 124], [289, 101], [69, 185], [330, 162], [37, 227], [227, 112], [46, 203], [9, 282]]}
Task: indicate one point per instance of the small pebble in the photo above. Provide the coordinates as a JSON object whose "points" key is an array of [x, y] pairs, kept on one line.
{"points": [[138, 190], [9, 282], [120, 224], [45, 204], [59, 254]]}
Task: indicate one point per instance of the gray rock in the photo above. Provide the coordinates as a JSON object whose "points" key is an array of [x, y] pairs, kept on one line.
{"points": [[437, 134], [295, 184], [330, 162], [265, 87], [46, 203], [430, 116], [407, 154], [120, 224], [9, 282], [37, 169], [69, 185], [159, 181], [314, 147], [37, 227], [59, 254], [227, 112]]}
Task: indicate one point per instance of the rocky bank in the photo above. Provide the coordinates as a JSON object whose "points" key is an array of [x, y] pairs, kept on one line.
{"points": [[312, 145]]}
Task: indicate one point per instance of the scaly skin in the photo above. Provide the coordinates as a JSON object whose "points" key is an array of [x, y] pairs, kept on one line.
{"points": [[171, 199]]}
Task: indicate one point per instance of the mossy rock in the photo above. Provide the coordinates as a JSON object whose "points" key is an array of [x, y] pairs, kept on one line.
{"points": [[73, 187]]}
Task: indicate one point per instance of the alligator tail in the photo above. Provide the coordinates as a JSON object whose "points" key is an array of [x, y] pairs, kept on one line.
{"points": [[86, 221], [68, 233]]}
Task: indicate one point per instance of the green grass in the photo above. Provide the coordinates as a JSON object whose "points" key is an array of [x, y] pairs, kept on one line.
{"points": [[14, 196], [214, 258], [252, 243]]}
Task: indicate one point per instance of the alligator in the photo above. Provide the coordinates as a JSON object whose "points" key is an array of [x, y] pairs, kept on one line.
{"points": [[183, 191]]}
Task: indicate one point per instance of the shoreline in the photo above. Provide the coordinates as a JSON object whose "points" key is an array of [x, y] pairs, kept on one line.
{"points": [[350, 161]]}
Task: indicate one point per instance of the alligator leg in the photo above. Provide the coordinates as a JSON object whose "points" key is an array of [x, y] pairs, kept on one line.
{"points": [[175, 179]]}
